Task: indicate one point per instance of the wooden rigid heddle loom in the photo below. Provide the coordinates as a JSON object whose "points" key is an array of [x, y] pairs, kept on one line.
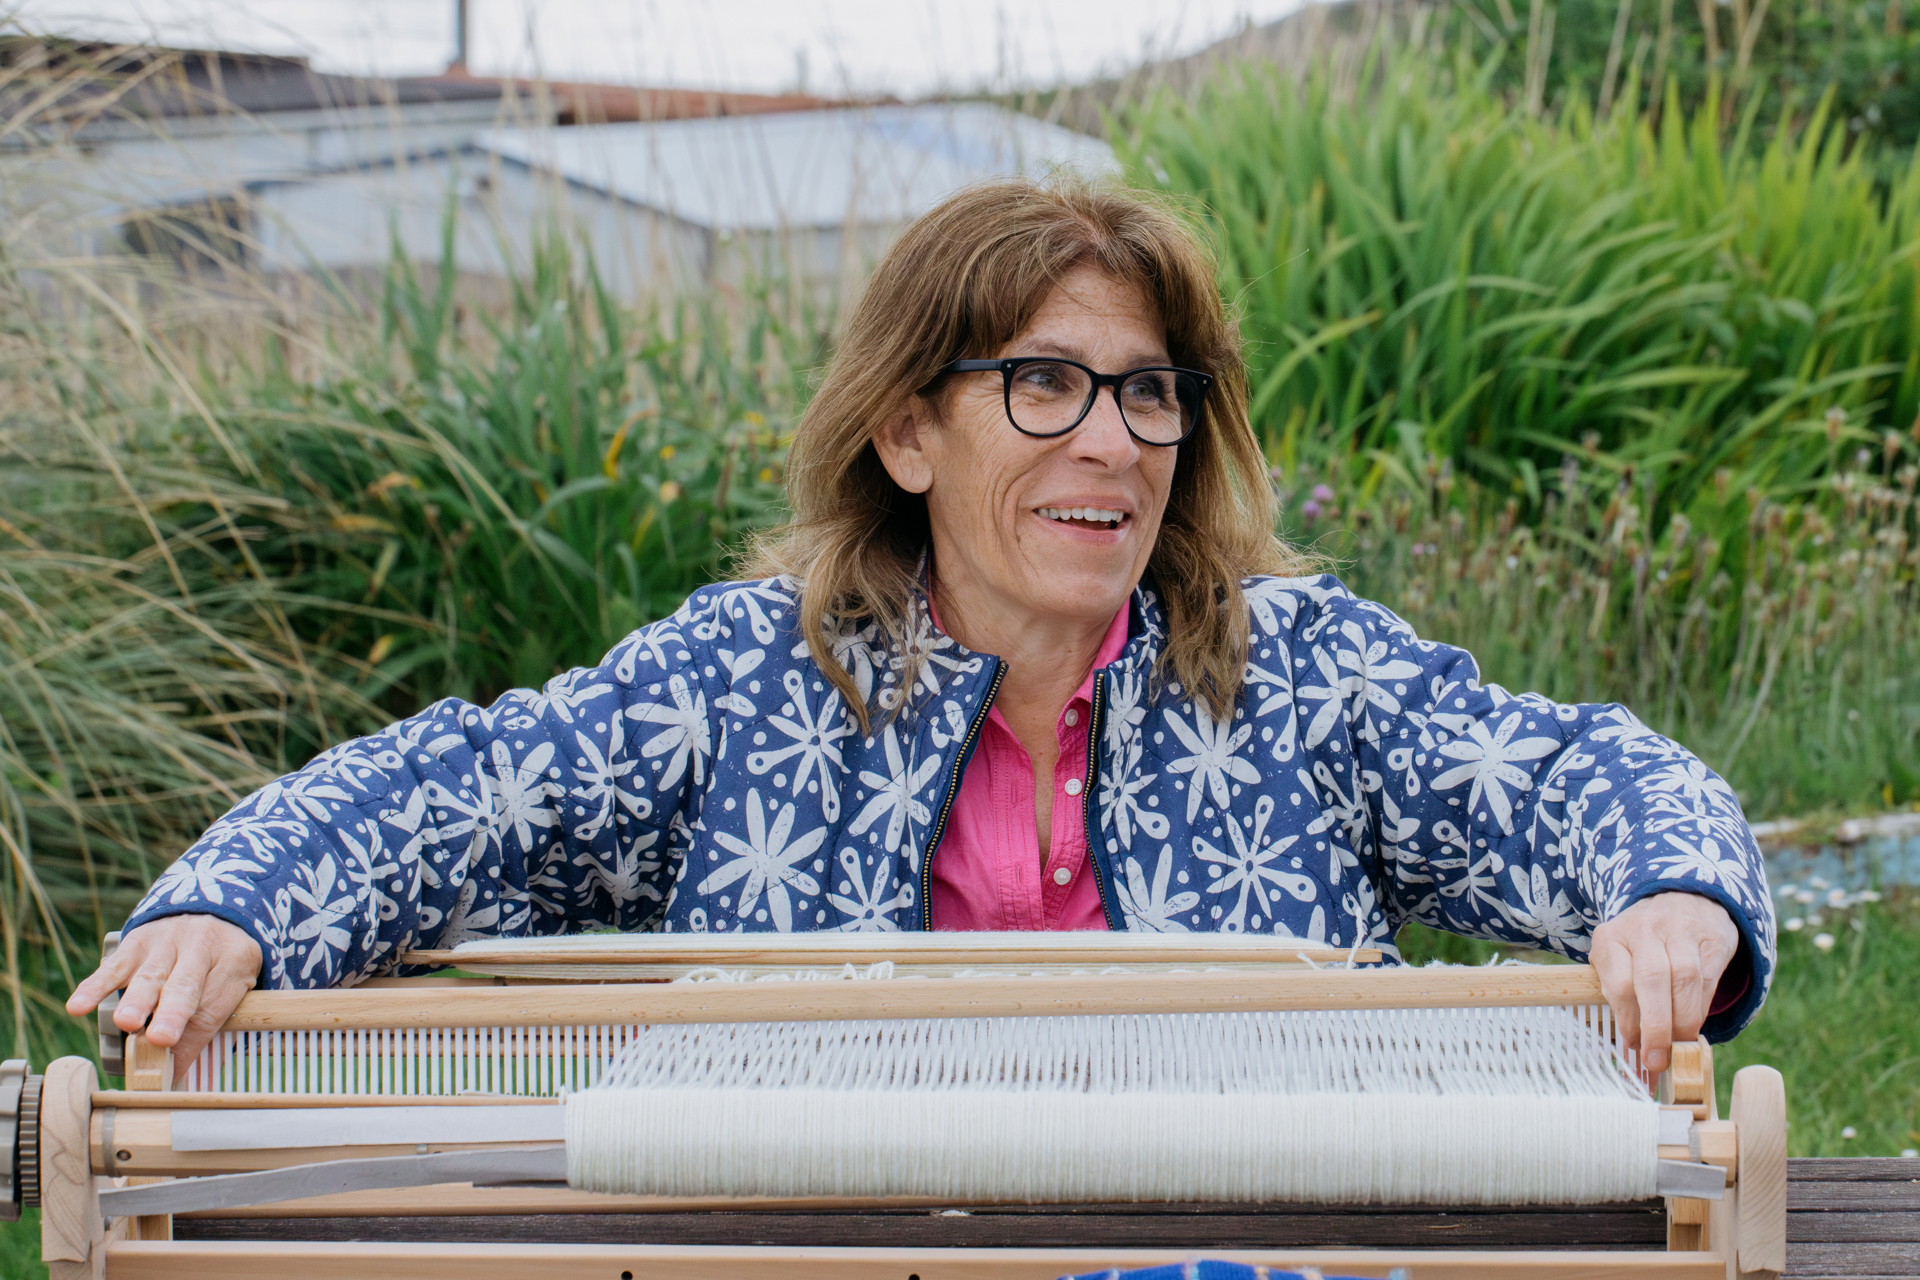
{"points": [[939, 1106]]}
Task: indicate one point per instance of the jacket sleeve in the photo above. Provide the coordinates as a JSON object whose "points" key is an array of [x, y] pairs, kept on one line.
{"points": [[1519, 819], [542, 813]]}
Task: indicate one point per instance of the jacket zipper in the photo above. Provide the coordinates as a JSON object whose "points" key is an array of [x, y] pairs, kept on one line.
{"points": [[953, 789], [1094, 849]]}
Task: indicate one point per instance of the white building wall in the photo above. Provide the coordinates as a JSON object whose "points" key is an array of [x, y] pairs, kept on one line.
{"points": [[807, 198], [351, 221], [184, 159]]}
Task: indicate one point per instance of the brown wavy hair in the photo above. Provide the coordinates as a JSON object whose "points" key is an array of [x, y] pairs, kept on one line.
{"points": [[963, 280]]}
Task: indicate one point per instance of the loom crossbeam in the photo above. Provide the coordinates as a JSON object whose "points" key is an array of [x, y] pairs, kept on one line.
{"points": [[140, 1260]]}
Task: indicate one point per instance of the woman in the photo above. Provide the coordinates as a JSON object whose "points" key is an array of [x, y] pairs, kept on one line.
{"points": [[1027, 657]]}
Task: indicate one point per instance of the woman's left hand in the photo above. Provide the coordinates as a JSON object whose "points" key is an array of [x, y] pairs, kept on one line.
{"points": [[1659, 963]]}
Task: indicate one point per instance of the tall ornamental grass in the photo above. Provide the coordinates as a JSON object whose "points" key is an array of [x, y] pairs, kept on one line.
{"points": [[227, 541], [1426, 267], [523, 488]]}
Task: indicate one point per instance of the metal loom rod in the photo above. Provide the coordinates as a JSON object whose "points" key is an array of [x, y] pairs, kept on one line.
{"points": [[183, 1100], [991, 997], [801, 950]]}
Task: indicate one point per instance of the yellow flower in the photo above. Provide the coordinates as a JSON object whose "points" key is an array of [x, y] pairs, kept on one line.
{"points": [[666, 451], [361, 524], [669, 491], [391, 480]]}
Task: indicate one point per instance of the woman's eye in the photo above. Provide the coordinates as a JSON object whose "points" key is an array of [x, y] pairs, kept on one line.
{"points": [[1147, 393], [1049, 382]]}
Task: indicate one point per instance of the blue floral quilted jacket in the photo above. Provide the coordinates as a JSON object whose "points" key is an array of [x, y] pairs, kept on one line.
{"points": [[706, 776]]}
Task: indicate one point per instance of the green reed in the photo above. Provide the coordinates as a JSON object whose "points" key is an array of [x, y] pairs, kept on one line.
{"points": [[1427, 267], [525, 488]]}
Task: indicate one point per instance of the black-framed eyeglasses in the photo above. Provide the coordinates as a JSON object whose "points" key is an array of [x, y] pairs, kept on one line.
{"points": [[1047, 396]]}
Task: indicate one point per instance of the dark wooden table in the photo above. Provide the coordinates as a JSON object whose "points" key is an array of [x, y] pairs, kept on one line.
{"points": [[1853, 1218], [1845, 1218]]}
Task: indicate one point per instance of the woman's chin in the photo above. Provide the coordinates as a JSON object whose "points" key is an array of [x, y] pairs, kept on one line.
{"points": [[1075, 591]]}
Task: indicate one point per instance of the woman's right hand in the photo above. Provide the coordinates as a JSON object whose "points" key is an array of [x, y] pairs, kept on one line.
{"points": [[186, 972]]}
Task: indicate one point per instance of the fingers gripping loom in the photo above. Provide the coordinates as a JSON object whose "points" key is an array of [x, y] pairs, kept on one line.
{"points": [[182, 976], [1659, 964]]}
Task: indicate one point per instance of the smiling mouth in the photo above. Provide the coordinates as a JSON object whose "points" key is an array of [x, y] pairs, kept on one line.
{"points": [[1084, 517]]}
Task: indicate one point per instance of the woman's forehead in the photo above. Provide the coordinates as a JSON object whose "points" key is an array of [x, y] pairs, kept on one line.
{"points": [[1089, 312], [1132, 353]]}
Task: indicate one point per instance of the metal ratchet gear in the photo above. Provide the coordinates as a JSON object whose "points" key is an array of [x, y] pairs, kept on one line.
{"points": [[26, 1161]]}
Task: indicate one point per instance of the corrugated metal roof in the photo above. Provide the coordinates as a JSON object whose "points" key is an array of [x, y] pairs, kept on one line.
{"points": [[58, 80], [883, 164]]}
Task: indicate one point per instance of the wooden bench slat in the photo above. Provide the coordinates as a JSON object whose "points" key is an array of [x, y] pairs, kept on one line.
{"points": [[1853, 1197], [1851, 1260], [1853, 1169], [1832, 1228]]}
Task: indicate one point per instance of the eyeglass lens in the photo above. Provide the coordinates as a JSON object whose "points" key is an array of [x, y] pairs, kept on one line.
{"points": [[1045, 398]]}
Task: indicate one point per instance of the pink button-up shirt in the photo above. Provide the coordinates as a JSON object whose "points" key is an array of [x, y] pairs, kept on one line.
{"points": [[986, 872]]}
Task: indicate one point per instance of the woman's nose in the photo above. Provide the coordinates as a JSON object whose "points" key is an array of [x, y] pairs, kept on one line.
{"points": [[1103, 437]]}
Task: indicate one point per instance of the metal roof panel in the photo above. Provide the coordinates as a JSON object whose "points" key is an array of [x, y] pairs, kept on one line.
{"points": [[884, 164]]}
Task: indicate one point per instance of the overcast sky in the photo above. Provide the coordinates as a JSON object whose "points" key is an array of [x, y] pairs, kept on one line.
{"points": [[905, 47]]}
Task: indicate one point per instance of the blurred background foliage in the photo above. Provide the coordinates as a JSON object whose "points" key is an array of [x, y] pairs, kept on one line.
{"points": [[1786, 55]]}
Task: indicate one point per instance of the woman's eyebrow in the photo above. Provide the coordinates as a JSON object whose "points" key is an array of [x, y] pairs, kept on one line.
{"points": [[1047, 347], [1069, 351]]}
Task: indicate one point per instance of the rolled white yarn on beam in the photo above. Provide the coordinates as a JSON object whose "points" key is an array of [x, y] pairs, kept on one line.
{"points": [[1473, 1106]]}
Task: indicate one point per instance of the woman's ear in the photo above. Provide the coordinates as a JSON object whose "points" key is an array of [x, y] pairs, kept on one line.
{"points": [[905, 447]]}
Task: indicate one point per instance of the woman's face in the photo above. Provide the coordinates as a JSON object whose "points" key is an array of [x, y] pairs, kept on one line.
{"points": [[1000, 502]]}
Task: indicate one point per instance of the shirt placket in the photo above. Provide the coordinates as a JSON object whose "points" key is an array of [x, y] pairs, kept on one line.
{"points": [[1020, 897], [1067, 849]]}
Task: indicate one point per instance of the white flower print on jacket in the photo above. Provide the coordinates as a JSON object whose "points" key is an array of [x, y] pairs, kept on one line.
{"points": [[707, 777]]}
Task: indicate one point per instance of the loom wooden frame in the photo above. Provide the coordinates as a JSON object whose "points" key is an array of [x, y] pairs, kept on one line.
{"points": [[1739, 1238]]}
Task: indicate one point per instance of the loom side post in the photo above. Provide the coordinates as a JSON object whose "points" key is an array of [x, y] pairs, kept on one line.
{"points": [[72, 1234], [149, 1070], [1688, 1082], [1752, 1221]]}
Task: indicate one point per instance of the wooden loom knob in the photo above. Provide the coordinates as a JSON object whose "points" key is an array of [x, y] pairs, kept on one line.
{"points": [[1689, 1079]]}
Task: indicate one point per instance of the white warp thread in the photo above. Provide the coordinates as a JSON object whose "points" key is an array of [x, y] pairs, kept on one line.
{"points": [[1473, 1106], [845, 973]]}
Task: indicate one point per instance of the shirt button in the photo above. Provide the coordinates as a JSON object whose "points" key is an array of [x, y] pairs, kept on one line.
{"points": [[1072, 717], [1073, 786], [1061, 875]]}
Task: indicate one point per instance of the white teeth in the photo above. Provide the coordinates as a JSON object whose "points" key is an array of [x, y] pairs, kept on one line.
{"points": [[1095, 515]]}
